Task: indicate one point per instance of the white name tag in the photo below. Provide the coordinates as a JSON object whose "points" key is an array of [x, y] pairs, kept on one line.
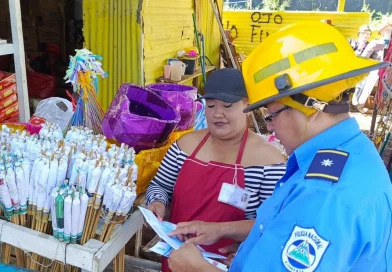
{"points": [[235, 196]]}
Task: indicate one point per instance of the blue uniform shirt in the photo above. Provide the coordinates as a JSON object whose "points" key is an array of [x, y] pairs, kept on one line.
{"points": [[332, 210]]}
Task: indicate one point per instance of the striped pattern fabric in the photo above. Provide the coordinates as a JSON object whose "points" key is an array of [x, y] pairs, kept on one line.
{"points": [[259, 180]]}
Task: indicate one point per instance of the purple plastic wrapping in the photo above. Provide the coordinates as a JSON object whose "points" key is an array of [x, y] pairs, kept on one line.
{"points": [[139, 118], [180, 97]]}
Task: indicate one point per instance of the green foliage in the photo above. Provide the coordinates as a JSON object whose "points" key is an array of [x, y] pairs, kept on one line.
{"points": [[376, 18], [278, 5], [271, 5]]}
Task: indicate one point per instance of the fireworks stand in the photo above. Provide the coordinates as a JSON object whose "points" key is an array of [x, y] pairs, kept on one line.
{"points": [[67, 194], [93, 256], [39, 233], [38, 249]]}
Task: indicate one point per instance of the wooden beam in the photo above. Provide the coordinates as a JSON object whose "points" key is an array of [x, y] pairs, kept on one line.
{"points": [[47, 246], [6, 49], [107, 253], [19, 59]]}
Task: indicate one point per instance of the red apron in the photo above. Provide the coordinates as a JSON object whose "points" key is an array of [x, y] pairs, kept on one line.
{"points": [[196, 192]]}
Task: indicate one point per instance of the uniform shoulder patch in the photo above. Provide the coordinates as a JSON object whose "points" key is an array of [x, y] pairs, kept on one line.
{"points": [[304, 250], [328, 164]]}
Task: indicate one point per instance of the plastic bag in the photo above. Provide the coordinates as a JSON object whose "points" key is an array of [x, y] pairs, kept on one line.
{"points": [[180, 97], [40, 85], [55, 110], [139, 118]]}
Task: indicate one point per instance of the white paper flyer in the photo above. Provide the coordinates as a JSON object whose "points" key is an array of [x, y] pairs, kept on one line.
{"points": [[165, 248]]}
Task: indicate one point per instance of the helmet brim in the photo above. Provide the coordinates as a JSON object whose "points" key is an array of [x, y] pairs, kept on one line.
{"points": [[367, 65]]}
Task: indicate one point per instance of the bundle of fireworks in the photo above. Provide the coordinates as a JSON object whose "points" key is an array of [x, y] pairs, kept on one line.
{"points": [[71, 181], [83, 72]]}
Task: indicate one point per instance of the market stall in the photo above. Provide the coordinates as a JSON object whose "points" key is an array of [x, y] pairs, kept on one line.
{"points": [[75, 171], [72, 174]]}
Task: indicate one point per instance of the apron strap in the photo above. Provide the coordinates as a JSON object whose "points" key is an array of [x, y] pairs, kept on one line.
{"points": [[242, 147], [240, 152], [197, 149]]}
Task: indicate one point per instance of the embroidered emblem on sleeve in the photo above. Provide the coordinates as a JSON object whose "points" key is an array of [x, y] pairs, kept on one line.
{"points": [[328, 164], [304, 250]]}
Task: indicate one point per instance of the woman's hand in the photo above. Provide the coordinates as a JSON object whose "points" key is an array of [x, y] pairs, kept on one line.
{"points": [[158, 208], [203, 233], [189, 259], [198, 232], [231, 251]]}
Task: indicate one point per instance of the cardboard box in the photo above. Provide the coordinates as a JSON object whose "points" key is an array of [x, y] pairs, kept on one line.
{"points": [[7, 85], [6, 80], [8, 101], [14, 118], [9, 111], [49, 34], [8, 91], [31, 42]]}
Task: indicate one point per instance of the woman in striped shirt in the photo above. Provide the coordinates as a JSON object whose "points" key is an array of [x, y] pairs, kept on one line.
{"points": [[217, 175], [260, 177]]}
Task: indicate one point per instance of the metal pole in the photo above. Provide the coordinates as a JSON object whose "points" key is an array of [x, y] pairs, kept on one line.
{"points": [[226, 43], [374, 119], [223, 34]]}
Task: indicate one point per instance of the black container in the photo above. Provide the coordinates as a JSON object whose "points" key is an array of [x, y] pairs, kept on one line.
{"points": [[190, 65]]}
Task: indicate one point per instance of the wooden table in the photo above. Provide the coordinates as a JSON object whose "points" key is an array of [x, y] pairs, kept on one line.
{"points": [[94, 256], [194, 77]]}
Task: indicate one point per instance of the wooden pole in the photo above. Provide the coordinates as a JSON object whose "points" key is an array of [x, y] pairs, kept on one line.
{"points": [[19, 60], [341, 5]]}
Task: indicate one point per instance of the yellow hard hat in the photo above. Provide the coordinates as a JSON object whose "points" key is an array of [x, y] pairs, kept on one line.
{"points": [[305, 66]]}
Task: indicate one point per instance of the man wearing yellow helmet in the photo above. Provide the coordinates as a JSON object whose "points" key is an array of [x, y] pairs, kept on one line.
{"points": [[332, 211]]}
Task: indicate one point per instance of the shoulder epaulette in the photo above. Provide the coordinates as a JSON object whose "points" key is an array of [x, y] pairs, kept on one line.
{"points": [[327, 164]]}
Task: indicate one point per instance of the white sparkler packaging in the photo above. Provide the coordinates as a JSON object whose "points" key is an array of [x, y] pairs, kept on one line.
{"points": [[71, 182]]}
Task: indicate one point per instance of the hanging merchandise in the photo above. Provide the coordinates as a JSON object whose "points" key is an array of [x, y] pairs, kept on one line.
{"points": [[83, 72], [181, 98], [140, 118], [64, 185]]}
